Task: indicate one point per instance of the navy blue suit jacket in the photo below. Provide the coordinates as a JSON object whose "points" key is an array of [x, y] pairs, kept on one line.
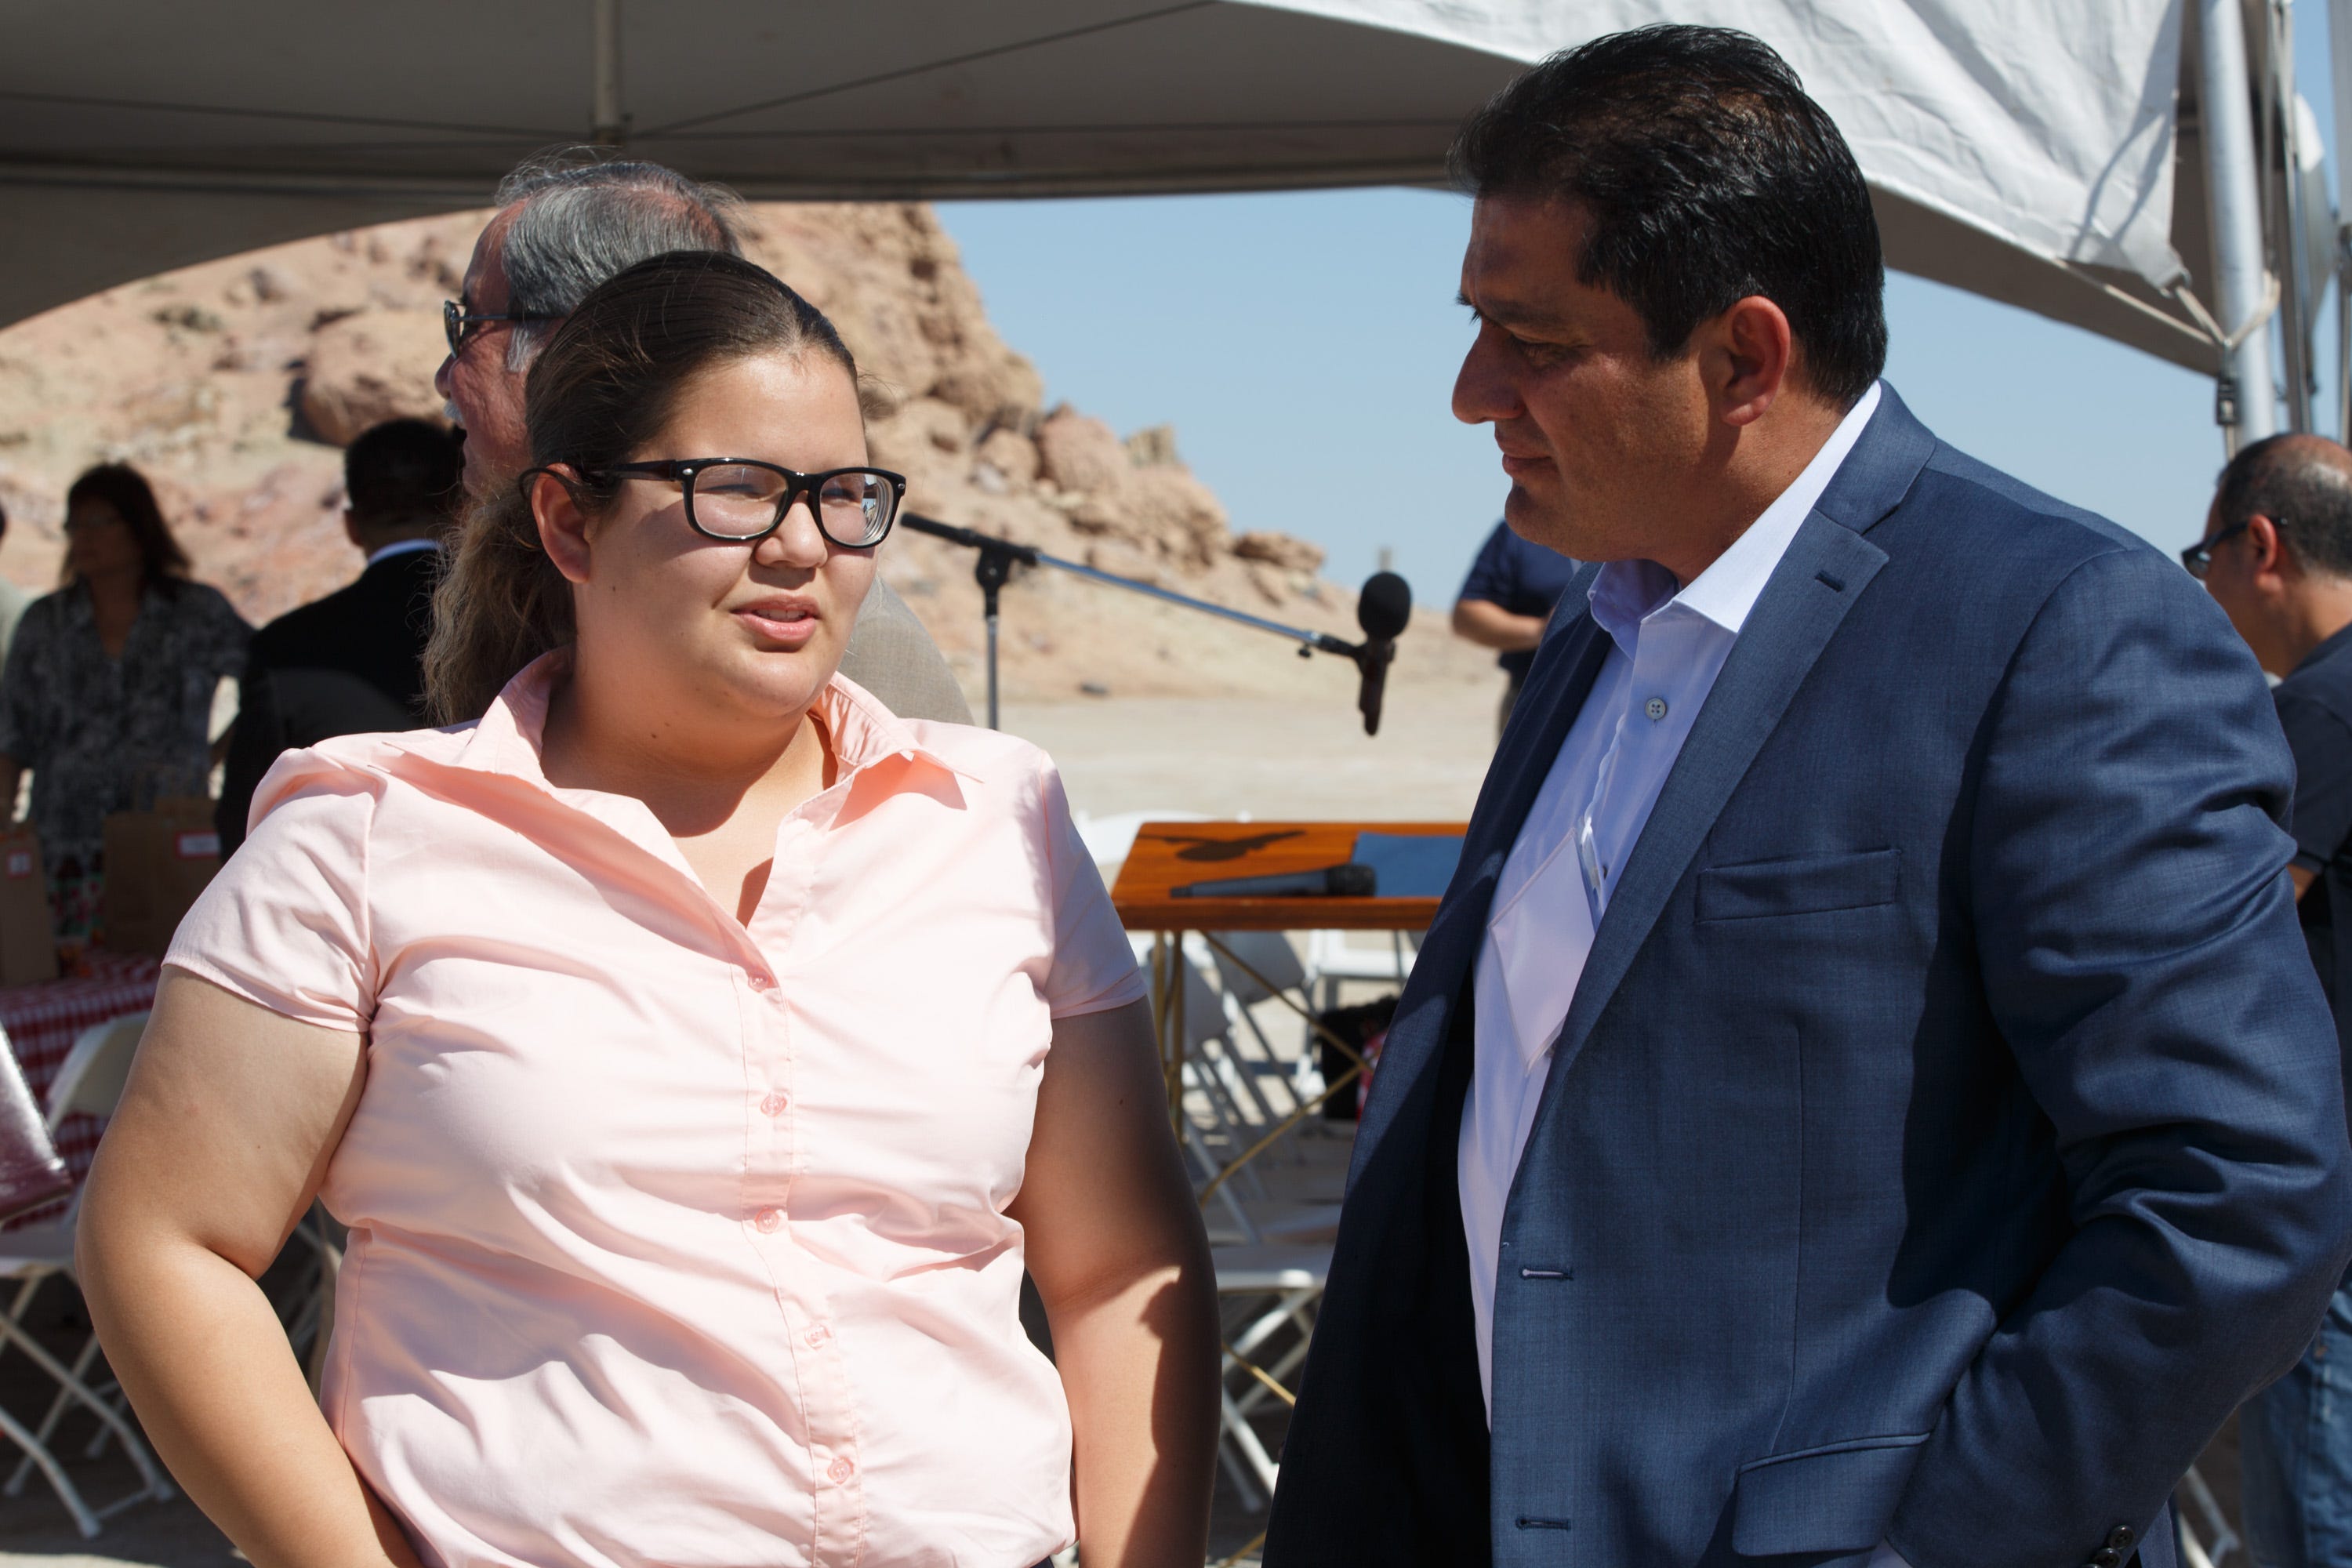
{"points": [[1947, 1130]]}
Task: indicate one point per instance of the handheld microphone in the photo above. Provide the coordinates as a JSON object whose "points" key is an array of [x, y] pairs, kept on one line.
{"points": [[1384, 609], [1347, 881]]}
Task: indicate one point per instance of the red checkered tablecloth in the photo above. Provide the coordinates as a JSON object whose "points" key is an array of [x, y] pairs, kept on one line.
{"points": [[43, 1022]]}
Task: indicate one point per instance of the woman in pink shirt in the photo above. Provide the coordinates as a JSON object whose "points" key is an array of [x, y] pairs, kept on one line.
{"points": [[697, 1052]]}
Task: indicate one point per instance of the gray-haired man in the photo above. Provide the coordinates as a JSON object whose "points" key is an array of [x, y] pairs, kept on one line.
{"points": [[562, 226]]}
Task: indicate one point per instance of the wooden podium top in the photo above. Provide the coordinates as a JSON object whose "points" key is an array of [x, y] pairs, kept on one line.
{"points": [[1171, 854]]}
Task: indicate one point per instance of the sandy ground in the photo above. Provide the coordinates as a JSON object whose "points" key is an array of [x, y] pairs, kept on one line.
{"points": [[1272, 760]]}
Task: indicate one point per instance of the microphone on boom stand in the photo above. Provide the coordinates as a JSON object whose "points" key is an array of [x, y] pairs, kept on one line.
{"points": [[1384, 609]]}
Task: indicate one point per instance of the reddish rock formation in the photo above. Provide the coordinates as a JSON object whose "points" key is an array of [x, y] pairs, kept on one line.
{"points": [[230, 383]]}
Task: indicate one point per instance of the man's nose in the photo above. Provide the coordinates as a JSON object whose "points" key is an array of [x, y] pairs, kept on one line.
{"points": [[441, 376], [1482, 390]]}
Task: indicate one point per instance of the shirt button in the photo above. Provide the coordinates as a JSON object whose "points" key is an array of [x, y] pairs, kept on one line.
{"points": [[775, 1104], [761, 981], [767, 1220], [841, 1470], [1655, 708], [818, 1335]]}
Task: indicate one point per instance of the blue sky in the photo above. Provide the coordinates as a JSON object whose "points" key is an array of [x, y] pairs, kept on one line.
{"points": [[1304, 347]]}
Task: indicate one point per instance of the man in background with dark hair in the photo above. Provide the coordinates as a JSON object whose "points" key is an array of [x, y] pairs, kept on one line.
{"points": [[350, 663], [1861, 1100], [2277, 558], [564, 223]]}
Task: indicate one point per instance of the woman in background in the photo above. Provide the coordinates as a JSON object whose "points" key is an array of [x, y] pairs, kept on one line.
{"points": [[107, 692], [697, 1051]]}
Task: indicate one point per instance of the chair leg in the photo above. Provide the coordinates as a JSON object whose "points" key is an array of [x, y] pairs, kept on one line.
{"points": [[157, 1486], [23, 1470], [1245, 1438], [84, 1520]]}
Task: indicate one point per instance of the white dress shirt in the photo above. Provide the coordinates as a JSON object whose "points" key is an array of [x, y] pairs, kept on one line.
{"points": [[402, 547], [1669, 644]]}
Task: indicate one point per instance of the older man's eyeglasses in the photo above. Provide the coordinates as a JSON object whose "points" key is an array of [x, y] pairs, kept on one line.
{"points": [[2198, 557], [743, 501], [457, 322]]}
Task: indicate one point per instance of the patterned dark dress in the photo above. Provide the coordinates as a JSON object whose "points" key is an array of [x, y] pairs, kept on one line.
{"points": [[103, 734]]}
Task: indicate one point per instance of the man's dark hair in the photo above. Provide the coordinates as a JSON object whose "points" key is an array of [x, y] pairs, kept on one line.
{"points": [[2302, 484], [1706, 175], [403, 476]]}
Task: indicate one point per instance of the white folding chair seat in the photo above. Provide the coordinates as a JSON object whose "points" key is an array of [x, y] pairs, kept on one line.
{"points": [[88, 1083]]}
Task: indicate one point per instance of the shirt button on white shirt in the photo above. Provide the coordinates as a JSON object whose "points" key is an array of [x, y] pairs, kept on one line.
{"points": [[775, 1104], [763, 982], [767, 1221], [841, 1470]]}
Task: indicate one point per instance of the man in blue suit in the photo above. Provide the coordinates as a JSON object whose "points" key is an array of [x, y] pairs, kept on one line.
{"points": [[1863, 1100]]}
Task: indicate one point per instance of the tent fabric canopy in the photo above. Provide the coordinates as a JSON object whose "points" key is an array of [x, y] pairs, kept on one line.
{"points": [[2022, 149]]}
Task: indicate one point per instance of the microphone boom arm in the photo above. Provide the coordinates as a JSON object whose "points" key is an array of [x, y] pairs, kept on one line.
{"points": [[997, 557]]}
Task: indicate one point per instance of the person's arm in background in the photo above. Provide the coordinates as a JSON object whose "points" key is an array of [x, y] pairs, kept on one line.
{"points": [[2322, 818], [1479, 613], [2142, 960], [1488, 623], [1121, 1262], [21, 675], [213, 1155]]}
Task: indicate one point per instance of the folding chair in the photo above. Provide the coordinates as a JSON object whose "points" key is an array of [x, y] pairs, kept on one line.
{"points": [[88, 1082], [1263, 1292], [1331, 960], [1255, 966]]}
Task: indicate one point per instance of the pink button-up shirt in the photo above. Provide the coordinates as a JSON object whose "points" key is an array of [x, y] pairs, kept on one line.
{"points": [[675, 1242]]}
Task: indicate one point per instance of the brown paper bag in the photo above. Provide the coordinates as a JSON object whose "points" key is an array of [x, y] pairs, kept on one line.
{"points": [[156, 863], [28, 940]]}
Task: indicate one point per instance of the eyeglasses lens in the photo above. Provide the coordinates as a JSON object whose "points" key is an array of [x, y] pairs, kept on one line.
{"points": [[736, 501], [451, 327], [857, 508]]}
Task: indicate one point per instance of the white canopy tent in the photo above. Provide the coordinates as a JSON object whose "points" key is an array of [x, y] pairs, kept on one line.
{"points": [[2050, 153]]}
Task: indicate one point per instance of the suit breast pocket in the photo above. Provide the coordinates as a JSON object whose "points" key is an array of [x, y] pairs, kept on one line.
{"points": [[1803, 885]]}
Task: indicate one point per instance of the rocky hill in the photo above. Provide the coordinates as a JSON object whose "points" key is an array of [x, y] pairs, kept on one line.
{"points": [[232, 384]]}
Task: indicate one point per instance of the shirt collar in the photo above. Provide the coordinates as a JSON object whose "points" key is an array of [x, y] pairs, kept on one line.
{"points": [[863, 732], [2329, 647], [1625, 593], [402, 547]]}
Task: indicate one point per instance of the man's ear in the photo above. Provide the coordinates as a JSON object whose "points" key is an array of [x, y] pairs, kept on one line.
{"points": [[1746, 357], [2266, 551], [563, 524]]}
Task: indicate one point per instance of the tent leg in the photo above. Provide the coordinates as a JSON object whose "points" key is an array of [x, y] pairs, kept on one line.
{"points": [[2234, 181]]}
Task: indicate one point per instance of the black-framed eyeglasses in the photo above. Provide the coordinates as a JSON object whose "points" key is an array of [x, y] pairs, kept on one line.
{"points": [[743, 501], [2198, 557], [456, 319]]}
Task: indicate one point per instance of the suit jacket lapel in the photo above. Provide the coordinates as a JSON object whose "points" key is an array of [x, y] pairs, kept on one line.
{"points": [[1828, 565]]}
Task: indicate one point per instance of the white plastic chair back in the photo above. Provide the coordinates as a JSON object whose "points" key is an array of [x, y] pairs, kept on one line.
{"points": [[1267, 952], [91, 1078]]}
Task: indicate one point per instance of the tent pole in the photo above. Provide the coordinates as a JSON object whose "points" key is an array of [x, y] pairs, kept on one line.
{"points": [[2339, 45], [2282, 143], [2248, 403], [609, 126]]}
